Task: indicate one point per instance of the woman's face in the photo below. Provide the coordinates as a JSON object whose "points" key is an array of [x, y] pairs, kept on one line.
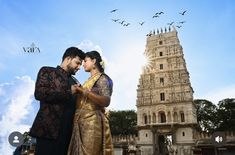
{"points": [[88, 64]]}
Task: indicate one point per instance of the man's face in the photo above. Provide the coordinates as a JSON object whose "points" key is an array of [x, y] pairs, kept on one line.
{"points": [[74, 65]]}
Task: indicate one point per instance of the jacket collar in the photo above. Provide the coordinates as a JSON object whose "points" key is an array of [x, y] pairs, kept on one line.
{"points": [[63, 71]]}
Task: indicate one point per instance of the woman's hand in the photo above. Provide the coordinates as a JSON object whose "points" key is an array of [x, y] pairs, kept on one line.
{"points": [[82, 91], [98, 99]]}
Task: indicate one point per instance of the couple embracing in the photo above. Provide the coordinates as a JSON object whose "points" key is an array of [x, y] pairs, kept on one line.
{"points": [[71, 119]]}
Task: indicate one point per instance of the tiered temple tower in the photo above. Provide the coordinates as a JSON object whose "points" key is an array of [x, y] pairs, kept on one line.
{"points": [[166, 115]]}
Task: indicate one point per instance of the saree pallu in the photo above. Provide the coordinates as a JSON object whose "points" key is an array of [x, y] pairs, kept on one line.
{"points": [[91, 133]]}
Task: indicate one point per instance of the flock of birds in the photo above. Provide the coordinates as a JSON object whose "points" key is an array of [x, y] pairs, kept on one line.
{"points": [[156, 15]]}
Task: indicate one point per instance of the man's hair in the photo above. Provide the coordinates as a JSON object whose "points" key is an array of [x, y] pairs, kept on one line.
{"points": [[72, 52]]}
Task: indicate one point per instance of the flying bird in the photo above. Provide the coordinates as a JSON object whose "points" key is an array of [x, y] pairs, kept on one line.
{"points": [[126, 24], [159, 13], [155, 16], [182, 13], [178, 26], [122, 22], [113, 10], [170, 23], [115, 20], [141, 23], [182, 22]]}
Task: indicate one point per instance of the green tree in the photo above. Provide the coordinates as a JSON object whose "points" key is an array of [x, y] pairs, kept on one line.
{"points": [[206, 115], [226, 115], [123, 122]]}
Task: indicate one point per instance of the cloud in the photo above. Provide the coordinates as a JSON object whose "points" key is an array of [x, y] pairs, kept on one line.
{"points": [[87, 45], [125, 69], [217, 95], [16, 97]]}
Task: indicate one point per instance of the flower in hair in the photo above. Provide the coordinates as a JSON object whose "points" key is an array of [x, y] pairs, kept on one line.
{"points": [[102, 64]]}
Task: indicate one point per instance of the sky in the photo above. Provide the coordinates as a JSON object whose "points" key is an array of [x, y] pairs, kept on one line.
{"points": [[207, 38]]}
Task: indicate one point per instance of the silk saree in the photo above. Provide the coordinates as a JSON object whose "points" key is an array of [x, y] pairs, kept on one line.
{"points": [[91, 133]]}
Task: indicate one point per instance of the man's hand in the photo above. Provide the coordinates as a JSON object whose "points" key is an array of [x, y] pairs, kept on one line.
{"points": [[75, 89]]}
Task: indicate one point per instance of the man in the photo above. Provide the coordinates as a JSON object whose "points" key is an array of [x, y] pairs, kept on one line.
{"points": [[56, 90]]}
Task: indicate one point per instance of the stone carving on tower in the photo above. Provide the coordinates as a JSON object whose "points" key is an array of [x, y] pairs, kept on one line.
{"points": [[166, 115]]}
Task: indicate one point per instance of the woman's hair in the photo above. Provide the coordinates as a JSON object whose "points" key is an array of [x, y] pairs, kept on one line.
{"points": [[95, 55]]}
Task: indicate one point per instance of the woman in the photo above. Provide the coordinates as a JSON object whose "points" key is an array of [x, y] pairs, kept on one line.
{"points": [[91, 133]]}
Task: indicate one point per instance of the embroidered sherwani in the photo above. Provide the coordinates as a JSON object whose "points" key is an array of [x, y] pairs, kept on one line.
{"points": [[53, 123]]}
